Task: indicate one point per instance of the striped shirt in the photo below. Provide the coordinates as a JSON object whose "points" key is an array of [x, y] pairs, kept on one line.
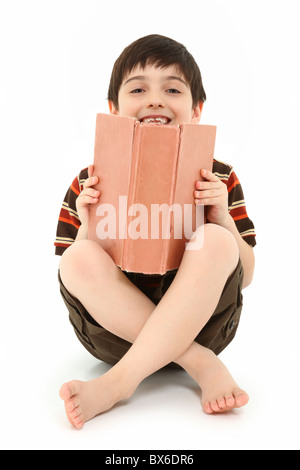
{"points": [[69, 223]]}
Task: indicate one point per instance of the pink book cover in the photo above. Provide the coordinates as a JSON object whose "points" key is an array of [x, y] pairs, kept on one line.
{"points": [[147, 172]]}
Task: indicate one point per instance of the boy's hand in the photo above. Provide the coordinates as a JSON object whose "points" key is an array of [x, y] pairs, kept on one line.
{"points": [[88, 196], [212, 193]]}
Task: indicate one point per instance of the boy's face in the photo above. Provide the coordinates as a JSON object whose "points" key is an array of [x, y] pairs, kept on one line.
{"points": [[157, 95]]}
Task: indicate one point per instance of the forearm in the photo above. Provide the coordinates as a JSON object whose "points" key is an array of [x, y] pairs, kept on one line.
{"points": [[246, 251], [82, 233]]}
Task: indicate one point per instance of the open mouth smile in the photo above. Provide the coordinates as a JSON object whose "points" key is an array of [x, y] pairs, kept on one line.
{"points": [[155, 120]]}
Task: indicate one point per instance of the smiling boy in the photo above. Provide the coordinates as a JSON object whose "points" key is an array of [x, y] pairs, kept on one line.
{"points": [[142, 323]]}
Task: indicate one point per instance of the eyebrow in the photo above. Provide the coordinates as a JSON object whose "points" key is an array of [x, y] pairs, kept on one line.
{"points": [[145, 78]]}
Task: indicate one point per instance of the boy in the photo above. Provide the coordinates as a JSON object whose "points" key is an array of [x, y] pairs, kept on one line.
{"points": [[141, 323]]}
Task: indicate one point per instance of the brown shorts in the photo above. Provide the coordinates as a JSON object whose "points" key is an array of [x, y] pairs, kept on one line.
{"points": [[216, 335]]}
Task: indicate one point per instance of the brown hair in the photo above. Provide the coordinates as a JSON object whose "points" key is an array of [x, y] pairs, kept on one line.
{"points": [[159, 51]]}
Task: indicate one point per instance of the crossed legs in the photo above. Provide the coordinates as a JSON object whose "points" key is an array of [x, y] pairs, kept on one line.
{"points": [[167, 330]]}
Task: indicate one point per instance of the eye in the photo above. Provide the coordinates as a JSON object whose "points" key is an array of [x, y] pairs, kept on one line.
{"points": [[137, 90], [173, 91]]}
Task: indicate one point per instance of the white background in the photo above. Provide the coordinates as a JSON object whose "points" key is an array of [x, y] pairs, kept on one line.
{"points": [[56, 60]]}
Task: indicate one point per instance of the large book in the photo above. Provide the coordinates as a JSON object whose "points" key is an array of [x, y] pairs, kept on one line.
{"points": [[146, 213]]}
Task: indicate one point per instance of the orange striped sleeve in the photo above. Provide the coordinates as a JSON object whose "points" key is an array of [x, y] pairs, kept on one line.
{"points": [[76, 191], [233, 185], [236, 201], [68, 220], [232, 181], [240, 217]]}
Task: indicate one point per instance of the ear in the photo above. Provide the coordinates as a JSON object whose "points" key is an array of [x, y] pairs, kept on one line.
{"points": [[197, 111], [112, 108]]}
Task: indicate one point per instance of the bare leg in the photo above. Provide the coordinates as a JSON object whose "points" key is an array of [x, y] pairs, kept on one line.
{"points": [[167, 330]]}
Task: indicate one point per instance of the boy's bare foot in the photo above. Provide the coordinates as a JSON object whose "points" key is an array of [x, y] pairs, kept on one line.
{"points": [[220, 392], [85, 400]]}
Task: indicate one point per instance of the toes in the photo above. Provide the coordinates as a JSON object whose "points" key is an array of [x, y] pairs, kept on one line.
{"points": [[78, 421], [230, 401], [64, 392], [69, 389], [221, 402], [241, 398], [207, 408], [226, 402], [72, 404], [214, 405], [69, 392], [75, 417], [76, 412]]}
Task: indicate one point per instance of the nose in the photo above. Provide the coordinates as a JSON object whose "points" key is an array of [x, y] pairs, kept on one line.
{"points": [[155, 101]]}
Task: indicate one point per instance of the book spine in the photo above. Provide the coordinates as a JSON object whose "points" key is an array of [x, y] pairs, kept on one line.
{"points": [[132, 190], [173, 185]]}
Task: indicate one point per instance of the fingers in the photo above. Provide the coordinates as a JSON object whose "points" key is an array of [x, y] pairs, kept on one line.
{"points": [[91, 181], [211, 180], [210, 191], [209, 175], [206, 185], [207, 201], [84, 201], [89, 195]]}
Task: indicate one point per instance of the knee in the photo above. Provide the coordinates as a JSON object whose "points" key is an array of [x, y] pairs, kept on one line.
{"points": [[81, 261], [221, 244], [217, 243], [219, 239]]}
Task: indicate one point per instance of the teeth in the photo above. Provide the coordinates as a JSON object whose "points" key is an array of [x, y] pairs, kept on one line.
{"points": [[158, 120]]}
